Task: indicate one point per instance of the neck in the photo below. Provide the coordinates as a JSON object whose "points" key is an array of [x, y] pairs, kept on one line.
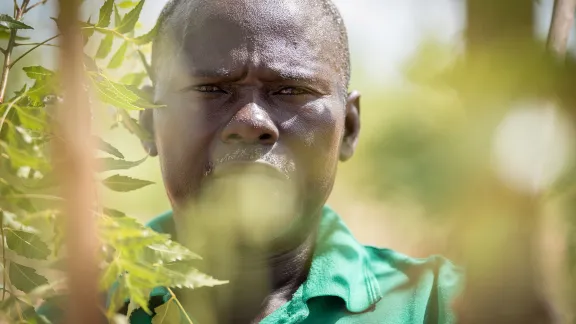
{"points": [[260, 279]]}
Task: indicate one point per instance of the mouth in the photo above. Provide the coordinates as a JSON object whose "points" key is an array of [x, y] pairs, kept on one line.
{"points": [[256, 168]]}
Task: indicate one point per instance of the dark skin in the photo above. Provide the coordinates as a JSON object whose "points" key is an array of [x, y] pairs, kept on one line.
{"points": [[255, 89]]}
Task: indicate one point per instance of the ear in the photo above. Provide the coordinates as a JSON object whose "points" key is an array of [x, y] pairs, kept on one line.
{"points": [[146, 120], [351, 126]]}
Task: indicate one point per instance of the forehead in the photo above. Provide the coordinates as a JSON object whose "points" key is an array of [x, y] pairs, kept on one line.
{"points": [[285, 36]]}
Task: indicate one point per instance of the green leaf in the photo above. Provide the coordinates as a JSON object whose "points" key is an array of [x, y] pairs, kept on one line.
{"points": [[126, 4], [129, 21], [105, 46], [119, 95], [38, 73], [108, 148], [105, 14], [169, 252], [21, 158], [110, 276], [26, 244], [146, 65], [134, 127], [34, 121], [5, 34], [25, 278], [137, 294], [118, 57], [117, 18], [184, 274], [113, 212], [122, 183], [134, 79], [11, 23], [109, 164], [168, 313], [148, 37]]}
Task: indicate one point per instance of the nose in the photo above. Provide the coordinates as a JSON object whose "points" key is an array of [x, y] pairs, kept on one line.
{"points": [[250, 125]]}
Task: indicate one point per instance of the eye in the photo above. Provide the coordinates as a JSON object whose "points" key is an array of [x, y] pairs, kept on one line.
{"points": [[208, 89], [292, 91]]}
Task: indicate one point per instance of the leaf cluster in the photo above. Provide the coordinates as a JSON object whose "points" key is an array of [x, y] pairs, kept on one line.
{"points": [[135, 259]]}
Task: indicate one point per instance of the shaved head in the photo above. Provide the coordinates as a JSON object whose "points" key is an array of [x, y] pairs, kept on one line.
{"points": [[316, 22]]}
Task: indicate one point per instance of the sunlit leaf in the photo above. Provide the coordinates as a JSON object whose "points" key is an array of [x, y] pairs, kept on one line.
{"points": [[26, 244], [108, 164], [25, 278], [11, 23], [124, 183], [108, 148], [133, 78], [38, 73], [138, 294], [148, 37], [105, 14], [119, 95], [105, 46], [111, 275], [126, 4], [118, 57], [129, 21], [184, 274], [117, 18], [169, 252]]}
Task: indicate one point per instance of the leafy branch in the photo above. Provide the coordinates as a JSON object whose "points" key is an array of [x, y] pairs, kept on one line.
{"points": [[135, 258]]}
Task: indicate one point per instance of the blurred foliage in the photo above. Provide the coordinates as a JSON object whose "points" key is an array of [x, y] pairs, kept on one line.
{"points": [[135, 259]]}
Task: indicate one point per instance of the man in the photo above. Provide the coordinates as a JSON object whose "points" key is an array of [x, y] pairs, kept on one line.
{"points": [[257, 116]]}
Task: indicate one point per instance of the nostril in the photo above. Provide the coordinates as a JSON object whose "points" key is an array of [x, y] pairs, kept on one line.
{"points": [[265, 137]]}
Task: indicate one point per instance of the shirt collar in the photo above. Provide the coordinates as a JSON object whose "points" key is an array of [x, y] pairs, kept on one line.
{"points": [[340, 265]]}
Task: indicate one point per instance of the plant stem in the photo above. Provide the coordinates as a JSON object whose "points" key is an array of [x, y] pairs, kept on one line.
{"points": [[3, 255], [6, 66], [180, 306], [35, 5], [31, 49]]}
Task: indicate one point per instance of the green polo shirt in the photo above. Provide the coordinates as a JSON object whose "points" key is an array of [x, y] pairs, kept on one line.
{"points": [[352, 283]]}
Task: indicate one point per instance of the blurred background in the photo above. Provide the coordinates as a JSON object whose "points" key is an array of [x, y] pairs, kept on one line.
{"points": [[397, 190]]}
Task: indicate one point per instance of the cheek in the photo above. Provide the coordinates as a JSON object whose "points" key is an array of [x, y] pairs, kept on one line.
{"points": [[317, 133], [182, 137]]}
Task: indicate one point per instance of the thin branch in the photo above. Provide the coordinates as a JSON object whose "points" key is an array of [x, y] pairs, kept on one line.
{"points": [[3, 50], [6, 66], [180, 306], [31, 49], [35, 5], [560, 26], [4, 279], [32, 44]]}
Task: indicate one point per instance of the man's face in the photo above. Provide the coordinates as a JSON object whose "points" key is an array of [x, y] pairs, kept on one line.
{"points": [[254, 104]]}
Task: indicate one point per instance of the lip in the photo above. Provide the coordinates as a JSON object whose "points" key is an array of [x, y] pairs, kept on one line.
{"points": [[254, 167]]}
